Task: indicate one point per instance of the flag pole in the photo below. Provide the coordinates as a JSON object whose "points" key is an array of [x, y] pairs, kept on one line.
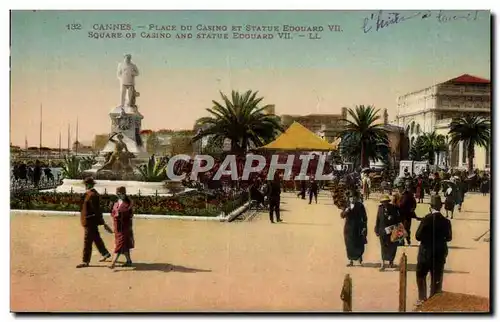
{"points": [[41, 120], [69, 137], [76, 142], [59, 143]]}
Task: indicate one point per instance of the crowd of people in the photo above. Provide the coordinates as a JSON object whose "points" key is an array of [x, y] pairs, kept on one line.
{"points": [[394, 221], [31, 175], [393, 224]]}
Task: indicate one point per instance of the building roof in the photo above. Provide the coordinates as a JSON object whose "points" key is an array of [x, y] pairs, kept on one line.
{"points": [[462, 79], [298, 138], [466, 78]]}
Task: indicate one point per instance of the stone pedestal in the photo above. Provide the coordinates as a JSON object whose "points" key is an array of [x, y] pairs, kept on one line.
{"points": [[125, 120]]}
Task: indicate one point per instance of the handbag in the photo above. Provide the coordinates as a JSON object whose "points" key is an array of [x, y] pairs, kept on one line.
{"points": [[399, 233]]}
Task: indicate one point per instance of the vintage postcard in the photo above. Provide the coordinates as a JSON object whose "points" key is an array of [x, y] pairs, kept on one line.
{"points": [[250, 161]]}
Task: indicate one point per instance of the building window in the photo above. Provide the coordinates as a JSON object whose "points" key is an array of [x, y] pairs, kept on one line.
{"points": [[418, 129], [412, 141]]}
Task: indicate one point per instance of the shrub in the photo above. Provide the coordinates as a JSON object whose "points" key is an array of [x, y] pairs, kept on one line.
{"points": [[193, 204]]}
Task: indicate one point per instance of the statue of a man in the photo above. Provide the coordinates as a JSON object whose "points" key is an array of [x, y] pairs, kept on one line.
{"points": [[127, 71]]}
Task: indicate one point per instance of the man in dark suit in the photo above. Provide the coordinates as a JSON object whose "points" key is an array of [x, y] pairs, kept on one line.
{"points": [[407, 208], [313, 190], [91, 218], [274, 193], [433, 234]]}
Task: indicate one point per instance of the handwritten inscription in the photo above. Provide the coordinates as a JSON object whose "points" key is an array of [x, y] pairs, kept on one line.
{"points": [[204, 31], [384, 19]]}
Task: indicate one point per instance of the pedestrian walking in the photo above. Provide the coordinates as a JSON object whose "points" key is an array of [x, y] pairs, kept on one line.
{"points": [[274, 193], [91, 218], [355, 229], [387, 220], [433, 234], [313, 190], [407, 207]]}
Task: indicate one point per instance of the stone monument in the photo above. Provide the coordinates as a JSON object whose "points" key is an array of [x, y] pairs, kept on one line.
{"points": [[124, 150], [125, 147], [125, 118]]}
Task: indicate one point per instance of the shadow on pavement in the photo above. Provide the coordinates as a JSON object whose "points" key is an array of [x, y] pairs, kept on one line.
{"points": [[471, 219], [449, 247], [304, 223], [476, 211], [162, 267], [413, 268], [410, 268], [377, 266]]}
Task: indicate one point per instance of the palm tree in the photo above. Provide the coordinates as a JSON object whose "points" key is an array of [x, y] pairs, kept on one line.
{"points": [[472, 131], [431, 143], [241, 120], [367, 137]]}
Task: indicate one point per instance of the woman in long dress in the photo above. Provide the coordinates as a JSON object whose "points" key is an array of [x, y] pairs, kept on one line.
{"points": [[122, 215], [355, 229], [366, 186], [420, 191], [387, 219], [484, 185], [449, 201]]}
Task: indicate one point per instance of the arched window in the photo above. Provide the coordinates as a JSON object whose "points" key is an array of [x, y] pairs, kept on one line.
{"points": [[412, 140], [418, 129], [408, 130]]}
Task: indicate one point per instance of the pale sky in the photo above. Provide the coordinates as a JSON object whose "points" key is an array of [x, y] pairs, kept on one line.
{"points": [[74, 76]]}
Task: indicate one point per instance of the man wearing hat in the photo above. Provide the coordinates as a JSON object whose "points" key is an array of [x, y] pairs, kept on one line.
{"points": [[91, 218], [387, 219], [274, 193], [433, 234], [407, 208]]}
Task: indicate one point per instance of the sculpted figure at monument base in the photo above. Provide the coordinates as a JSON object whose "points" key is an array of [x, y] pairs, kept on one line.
{"points": [[119, 160]]}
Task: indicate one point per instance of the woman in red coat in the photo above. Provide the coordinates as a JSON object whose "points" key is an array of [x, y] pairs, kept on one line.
{"points": [[419, 192], [122, 215]]}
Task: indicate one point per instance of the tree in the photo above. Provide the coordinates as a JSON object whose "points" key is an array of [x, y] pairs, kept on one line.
{"points": [[417, 150], [240, 119], [376, 149], [152, 143], [364, 136], [181, 144], [471, 130], [427, 145], [214, 147]]}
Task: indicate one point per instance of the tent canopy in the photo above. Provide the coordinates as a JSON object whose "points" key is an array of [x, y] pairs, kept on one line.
{"points": [[297, 137]]}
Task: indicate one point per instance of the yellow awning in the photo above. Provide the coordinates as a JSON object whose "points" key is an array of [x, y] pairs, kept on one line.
{"points": [[297, 137]]}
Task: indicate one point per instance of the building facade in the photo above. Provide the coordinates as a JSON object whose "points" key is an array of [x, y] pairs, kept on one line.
{"points": [[433, 108], [326, 126]]}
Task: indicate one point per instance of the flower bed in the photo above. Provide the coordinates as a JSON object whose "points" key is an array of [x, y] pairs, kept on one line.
{"points": [[191, 204]]}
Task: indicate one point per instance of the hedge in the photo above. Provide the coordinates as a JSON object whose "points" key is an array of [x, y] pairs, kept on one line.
{"points": [[194, 204]]}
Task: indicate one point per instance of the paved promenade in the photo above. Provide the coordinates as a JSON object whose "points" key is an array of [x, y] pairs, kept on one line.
{"points": [[298, 265]]}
